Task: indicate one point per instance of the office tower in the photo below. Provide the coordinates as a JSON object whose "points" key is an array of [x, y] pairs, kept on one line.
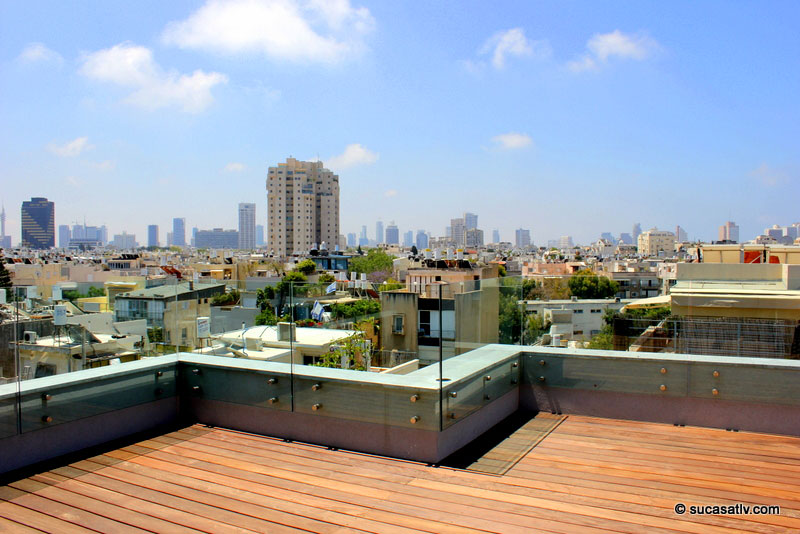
{"points": [[565, 241], [217, 238], [38, 218], [474, 237], [422, 240], [64, 235], [522, 238], [448, 231], [608, 236], [152, 235], [194, 235], [458, 230], [169, 239], [637, 230], [179, 232], [5, 240], [680, 235], [392, 234], [351, 239], [408, 239], [247, 226], [626, 238], [495, 236], [729, 232], [302, 206], [379, 232], [102, 235], [259, 235], [470, 221], [124, 241]]}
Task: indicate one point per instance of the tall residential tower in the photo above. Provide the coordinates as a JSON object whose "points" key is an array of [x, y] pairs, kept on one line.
{"points": [[302, 206]]}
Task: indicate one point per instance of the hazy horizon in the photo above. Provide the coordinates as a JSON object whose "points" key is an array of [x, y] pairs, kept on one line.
{"points": [[566, 119]]}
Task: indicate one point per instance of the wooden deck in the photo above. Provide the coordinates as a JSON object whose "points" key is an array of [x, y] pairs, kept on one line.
{"points": [[587, 475]]}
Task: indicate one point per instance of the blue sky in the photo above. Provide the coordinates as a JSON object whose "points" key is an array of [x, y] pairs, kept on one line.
{"points": [[562, 117]]}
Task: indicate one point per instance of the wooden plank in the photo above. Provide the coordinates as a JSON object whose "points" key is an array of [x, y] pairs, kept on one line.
{"points": [[7, 525], [26, 511], [108, 518], [138, 512], [670, 506], [168, 507]]}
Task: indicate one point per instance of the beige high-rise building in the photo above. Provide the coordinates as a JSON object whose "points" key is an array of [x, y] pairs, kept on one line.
{"points": [[654, 241], [303, 207]]}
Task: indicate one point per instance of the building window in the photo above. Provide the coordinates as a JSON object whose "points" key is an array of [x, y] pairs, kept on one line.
{"points": [[578, 311], [398, 324]]}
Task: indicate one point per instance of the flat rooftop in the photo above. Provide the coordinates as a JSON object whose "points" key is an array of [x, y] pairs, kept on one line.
{"points": [[587, 475]]}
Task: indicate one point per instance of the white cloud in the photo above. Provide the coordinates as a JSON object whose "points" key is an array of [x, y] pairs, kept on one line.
{"points": [[324, 31], [390, 193], [234, 167], [106, 165], [603, 46], [353, 155], [133, 66], [73, 181], [505, 44], [512, 141], [769, 176], [36, 52], [71, 148]]}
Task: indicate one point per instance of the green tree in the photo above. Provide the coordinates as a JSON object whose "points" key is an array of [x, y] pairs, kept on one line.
{"points": [[326, 278], [226, 299], [587, 285], [264, 296], [306, 267], [96, 292], [375, 260], [535, 327], [5, 276], [351, 349], [391, 284], [501, 270], [355, 309]]}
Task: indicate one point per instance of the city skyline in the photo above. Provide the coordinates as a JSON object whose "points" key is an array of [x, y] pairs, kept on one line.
{"points": [[619, 99]]}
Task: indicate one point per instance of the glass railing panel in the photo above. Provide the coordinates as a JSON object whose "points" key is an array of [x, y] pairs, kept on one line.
{"points": [[210, 377], [62, 398], [607, 372], [746, 380]]}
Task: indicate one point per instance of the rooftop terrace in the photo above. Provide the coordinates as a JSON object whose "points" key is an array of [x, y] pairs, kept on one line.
{"points": [[587, 475]]}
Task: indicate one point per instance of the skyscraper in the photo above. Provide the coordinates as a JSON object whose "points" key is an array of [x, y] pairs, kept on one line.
{"points": [[522, 238], [179, 232], [470, 221], [379, 232], [5, 240], [408, 238], [247, 226], [637, 230], [422, 240], [259, 235], [680, 234], [38, 218], [152, 235], [729, 232], [495, 236], [302, 206], [392, 234], [64, 235], [458, 231]]}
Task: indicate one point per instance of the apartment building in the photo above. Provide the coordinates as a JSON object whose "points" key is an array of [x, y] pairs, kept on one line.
{"points": [[655, 242], [302, 206]]}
